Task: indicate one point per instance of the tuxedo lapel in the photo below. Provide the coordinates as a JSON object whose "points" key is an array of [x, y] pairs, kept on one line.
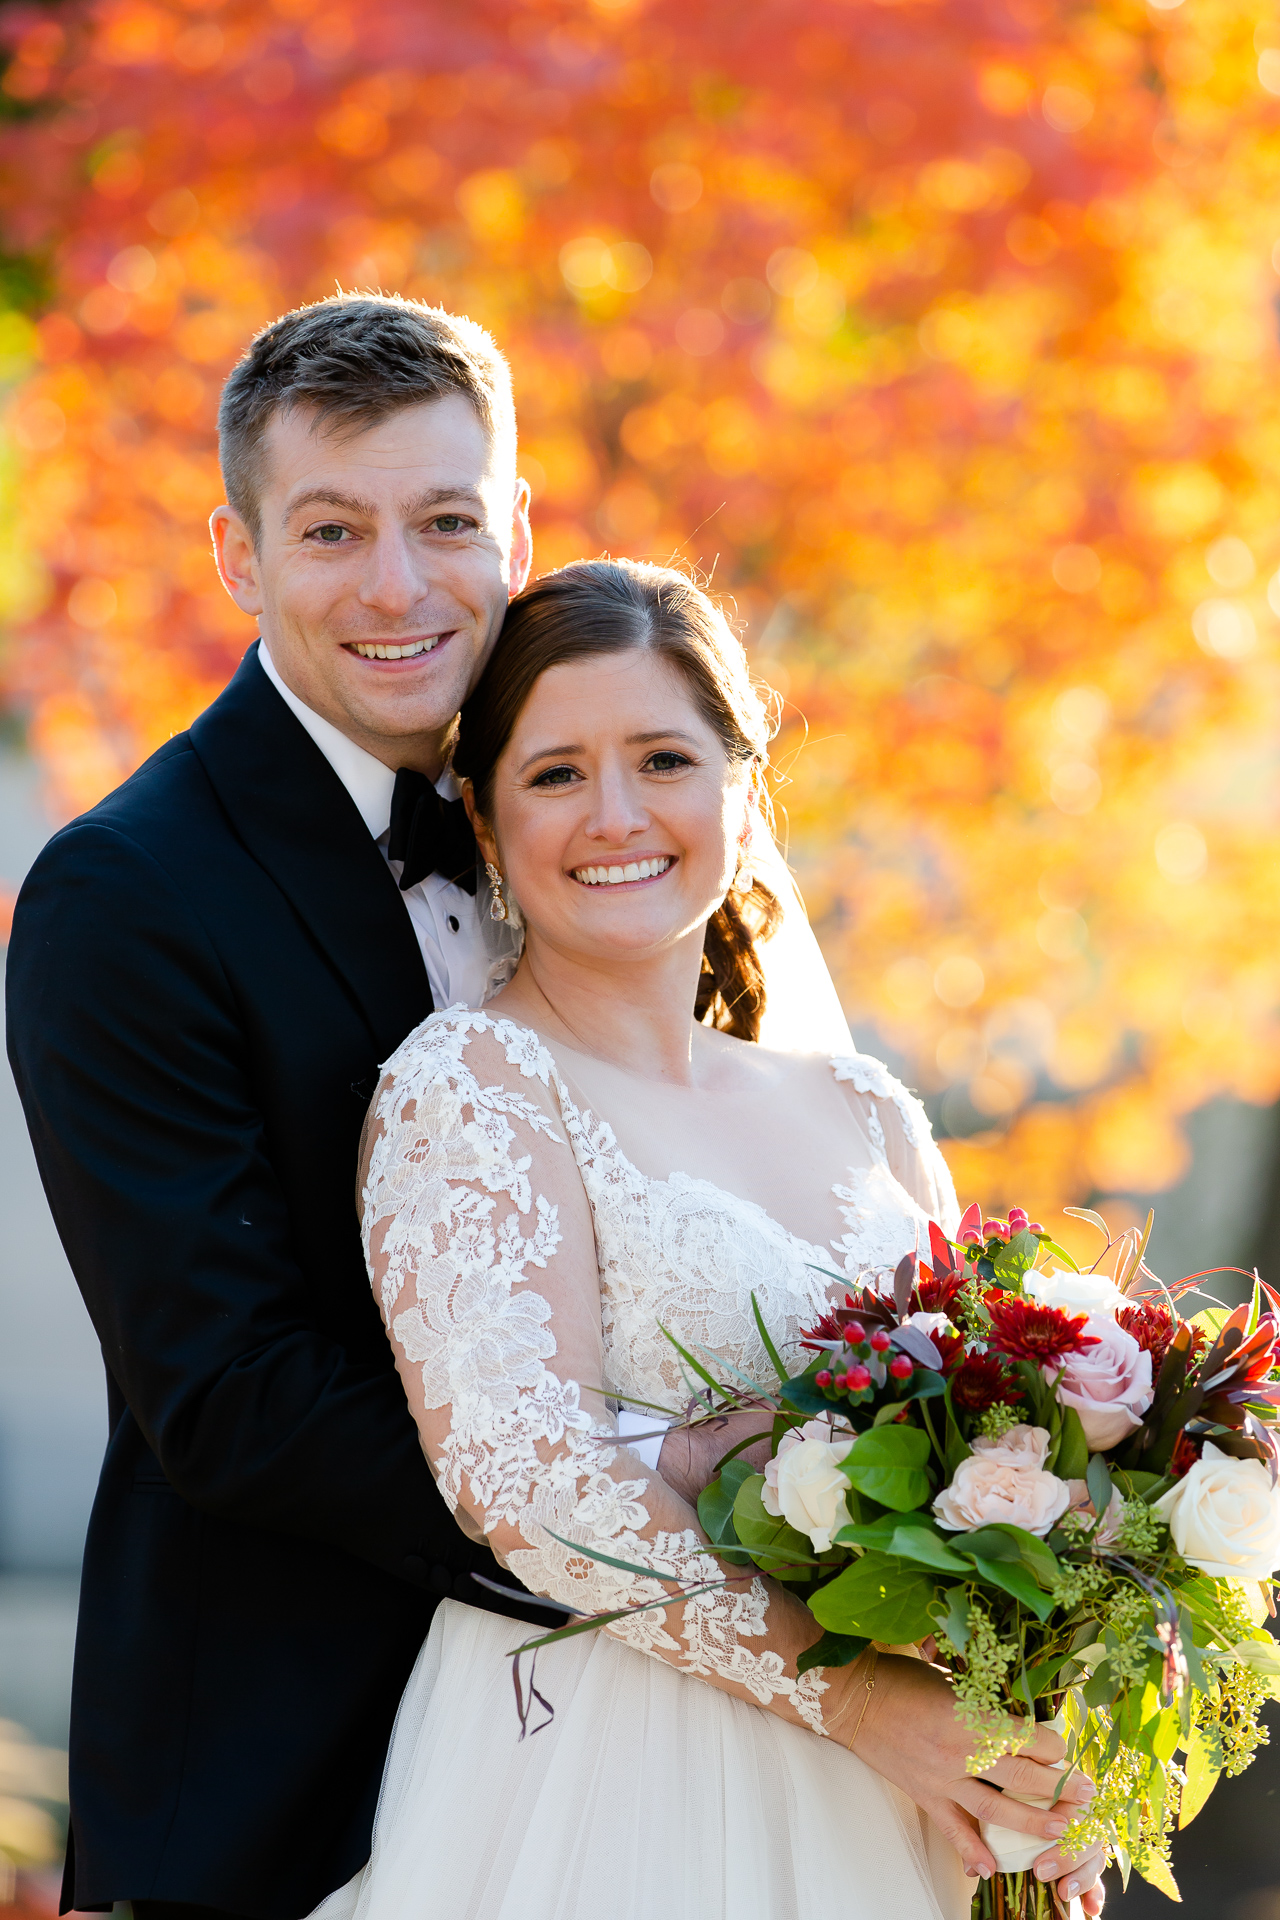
{"points": [[295, 817]]}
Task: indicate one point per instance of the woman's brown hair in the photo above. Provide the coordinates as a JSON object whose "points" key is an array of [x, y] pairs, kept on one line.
{"points": [[612, 606]]}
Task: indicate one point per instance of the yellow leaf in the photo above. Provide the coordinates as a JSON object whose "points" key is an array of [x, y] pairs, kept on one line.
{"points": [[1204, 1764]]}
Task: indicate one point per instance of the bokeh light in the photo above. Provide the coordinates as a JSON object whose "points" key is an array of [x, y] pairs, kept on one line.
{"points": [[939, 335]]}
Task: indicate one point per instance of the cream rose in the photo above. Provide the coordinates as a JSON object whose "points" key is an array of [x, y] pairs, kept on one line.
{"points": [[1020, 1447], [803, 1484], [1109, 1384], [1224, 1516], [1074, 1292], [1004, 1481]]}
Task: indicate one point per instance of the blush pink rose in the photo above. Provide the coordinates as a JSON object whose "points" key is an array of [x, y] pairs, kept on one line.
{"points": [[1003, 1481], [1109, 1384]]}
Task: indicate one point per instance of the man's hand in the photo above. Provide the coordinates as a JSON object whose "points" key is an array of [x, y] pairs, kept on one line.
{"points": [[911, 1735], [690, 1454]]}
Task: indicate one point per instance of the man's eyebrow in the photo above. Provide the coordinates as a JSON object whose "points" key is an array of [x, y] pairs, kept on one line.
{"points": [[331, 497], [632, 740], [368, 509]]}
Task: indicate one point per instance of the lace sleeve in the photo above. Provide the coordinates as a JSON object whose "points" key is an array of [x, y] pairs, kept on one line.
{"points": [[481, 1247], [899, 1128]]}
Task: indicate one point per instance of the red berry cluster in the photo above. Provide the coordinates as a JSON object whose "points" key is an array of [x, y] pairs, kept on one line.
{"points": [[981, 1236], [860, 1364]]}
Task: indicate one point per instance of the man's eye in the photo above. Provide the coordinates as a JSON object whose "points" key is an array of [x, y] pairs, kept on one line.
{"points": [[556, 777], [330, 534], [666, 761], [449, 522]]}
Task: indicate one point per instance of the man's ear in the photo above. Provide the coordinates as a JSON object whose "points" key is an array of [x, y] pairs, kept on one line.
{"points": [[521, 542], [236, 560]]}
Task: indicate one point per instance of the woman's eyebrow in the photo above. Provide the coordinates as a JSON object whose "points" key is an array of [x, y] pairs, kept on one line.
{"points": [[632, 740]]}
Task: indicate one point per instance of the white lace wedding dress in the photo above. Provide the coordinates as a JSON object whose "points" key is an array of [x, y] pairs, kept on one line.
{"points": [[524, 1261]]}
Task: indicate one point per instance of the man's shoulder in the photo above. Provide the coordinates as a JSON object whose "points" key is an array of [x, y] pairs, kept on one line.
{"points": [[165, 802]]}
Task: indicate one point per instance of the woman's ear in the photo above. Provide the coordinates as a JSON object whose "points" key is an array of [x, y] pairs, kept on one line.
{"points": [[484, 836]]}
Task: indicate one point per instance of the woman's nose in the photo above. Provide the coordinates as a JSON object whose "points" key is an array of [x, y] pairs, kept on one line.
{"points": [[618, 812]]}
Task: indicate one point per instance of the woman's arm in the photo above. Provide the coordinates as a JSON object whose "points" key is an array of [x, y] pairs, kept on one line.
{"points": [[481, 1248]]}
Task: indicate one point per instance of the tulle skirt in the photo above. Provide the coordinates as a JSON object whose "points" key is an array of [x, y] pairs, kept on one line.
{"points": [[649, 1796]]}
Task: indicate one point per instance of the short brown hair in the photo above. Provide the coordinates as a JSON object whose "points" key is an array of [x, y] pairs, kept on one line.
{"points": [[354, 359], [611, 606]]}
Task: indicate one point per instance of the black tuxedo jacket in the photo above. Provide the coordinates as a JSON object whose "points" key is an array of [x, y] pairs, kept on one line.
{"points": [[204, 975]]}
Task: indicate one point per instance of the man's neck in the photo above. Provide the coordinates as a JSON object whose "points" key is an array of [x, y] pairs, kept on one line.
{"points": [[424, 753]]}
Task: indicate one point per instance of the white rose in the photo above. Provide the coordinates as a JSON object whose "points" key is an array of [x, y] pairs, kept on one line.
{"points": [[1074, 1292], [1003, 1482], [1224, 1516], [804, 1485], [929, 1323], [1108, 1384]]}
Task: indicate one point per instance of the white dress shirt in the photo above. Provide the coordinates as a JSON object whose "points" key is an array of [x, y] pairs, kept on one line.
{"points": [[465, 964]]}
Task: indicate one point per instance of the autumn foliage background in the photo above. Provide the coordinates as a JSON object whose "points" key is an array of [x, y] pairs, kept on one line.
{"points": [[941, 335]]}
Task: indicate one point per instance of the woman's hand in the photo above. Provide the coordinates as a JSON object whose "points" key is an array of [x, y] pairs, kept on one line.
{"points": [[910, 1734]]}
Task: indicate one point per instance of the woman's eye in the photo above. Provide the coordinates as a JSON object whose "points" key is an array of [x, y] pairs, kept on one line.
{"points": [[666, 761], [556, 777], [329, 535]]}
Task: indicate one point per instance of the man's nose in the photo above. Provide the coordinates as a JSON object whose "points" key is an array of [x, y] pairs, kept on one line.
{"points": [[392, 581]]}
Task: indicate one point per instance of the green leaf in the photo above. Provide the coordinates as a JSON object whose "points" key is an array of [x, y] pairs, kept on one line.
{"points": [[957, 1448], [954, 1621], [1204, 1764], [1099, 1483], [1073, 1448], [1051, 1246], [1135, 1485], [1013, 1578], [1158, 1874], [689, 1360], [1016, 1256], [993, 1543], [879, 1597], [767, 1342], [804, 1396], [715, 1509], [906, 1539], [888, 1465], [774, 1546], [833, 1650], [1039, 1559]]}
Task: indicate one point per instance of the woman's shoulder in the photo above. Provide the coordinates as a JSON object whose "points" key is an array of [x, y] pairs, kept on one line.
{"points": [[867, 1075], [464, 1045]]}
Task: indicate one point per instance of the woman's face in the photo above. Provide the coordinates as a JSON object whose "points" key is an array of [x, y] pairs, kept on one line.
{"points": [[618, 817]]}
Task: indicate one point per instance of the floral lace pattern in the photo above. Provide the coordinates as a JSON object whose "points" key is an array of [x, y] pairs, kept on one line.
{"points": [[479, 1164]]}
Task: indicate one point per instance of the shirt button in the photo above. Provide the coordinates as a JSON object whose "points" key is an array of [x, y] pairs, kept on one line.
{"points": [[453, 923]]}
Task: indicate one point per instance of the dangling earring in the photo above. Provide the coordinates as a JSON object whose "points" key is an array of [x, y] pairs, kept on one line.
{"points": [[744, 879], [497, 905]]}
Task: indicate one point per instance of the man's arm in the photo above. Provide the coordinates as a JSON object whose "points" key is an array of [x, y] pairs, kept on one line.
{"points": [[132, 1063]]}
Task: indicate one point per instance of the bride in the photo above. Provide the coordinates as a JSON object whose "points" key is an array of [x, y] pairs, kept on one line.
{"points": [[547, 1184]]}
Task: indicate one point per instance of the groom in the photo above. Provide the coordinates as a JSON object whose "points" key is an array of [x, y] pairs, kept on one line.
{"points": [[205, 973]]}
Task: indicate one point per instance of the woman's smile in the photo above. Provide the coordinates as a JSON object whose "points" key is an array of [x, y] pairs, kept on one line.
{"points": [[625, 871]]}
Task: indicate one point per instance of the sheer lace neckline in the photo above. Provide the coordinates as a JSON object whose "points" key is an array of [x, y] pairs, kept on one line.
{"points": [[587, 1123]]}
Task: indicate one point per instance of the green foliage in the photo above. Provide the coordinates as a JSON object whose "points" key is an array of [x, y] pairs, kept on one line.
{"points": [[775, 1547], [879, 1596], [888, 1465], [832, 1650]]}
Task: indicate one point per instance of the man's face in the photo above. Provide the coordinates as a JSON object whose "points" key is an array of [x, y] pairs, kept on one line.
{"points": [[383, 568]]}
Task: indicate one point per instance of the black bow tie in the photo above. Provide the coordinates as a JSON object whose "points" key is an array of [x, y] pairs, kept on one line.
{"points": [[430, 835]]}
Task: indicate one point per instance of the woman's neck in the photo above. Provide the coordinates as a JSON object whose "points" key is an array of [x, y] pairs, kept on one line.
{"points": [[637, 1015]]}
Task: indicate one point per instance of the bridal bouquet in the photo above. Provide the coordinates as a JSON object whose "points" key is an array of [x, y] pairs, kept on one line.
{"points": [[1063, 1486]]}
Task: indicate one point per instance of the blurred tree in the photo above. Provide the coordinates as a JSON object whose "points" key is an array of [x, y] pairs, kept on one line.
{"points": [[939, 333]]}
